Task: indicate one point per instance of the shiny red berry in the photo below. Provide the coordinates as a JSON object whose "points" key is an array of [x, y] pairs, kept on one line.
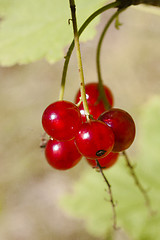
{"points": [[105, 162], [122, 126], [95, 103], [61, 120], [94, 139], [93, 96], [94, 111], [62, 155]]}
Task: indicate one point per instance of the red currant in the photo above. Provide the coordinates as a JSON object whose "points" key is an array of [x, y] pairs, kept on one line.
{"points": [[61, 120], [62, 155], [105, 162], [95, 104], [94, 139], [122, 125], [92, 94], [94, 111]]}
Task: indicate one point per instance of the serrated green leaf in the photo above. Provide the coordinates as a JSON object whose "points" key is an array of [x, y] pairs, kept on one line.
{"points": [[88, 202], [31, 30]]}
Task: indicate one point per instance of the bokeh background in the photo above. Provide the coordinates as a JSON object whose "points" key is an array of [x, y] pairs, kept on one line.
{"points": [[30, 190]]}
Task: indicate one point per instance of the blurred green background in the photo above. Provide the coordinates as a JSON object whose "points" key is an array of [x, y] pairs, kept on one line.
{"points": [[30, 190]]}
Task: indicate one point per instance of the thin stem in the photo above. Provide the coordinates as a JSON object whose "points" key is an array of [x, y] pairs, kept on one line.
{"points": [[61, 94], [82, 28], [110, 195], [79, 58], [138, 183], [99, 47]]}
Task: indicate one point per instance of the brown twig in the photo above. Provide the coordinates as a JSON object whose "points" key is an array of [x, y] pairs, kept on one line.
{"points": [[110, 195], [138, 183]]}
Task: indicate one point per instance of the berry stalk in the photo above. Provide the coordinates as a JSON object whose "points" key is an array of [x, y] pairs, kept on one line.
{"points": [[71, 47], [110, 195], [101, 85], [79, 58]]}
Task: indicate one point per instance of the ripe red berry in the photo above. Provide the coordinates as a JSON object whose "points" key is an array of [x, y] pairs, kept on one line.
{"points": [[94, 111], [92, 94], [94, 139], [62, 155], [105, 162], [95, 104], [61, 120], [122, 125]]}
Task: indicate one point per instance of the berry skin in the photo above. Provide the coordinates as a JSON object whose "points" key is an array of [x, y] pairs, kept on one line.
{"points": [[122, 126], [95, 104], [92, 94], [94, 139], [61, 120], [105, 162], [62, 155], [94, 111]]}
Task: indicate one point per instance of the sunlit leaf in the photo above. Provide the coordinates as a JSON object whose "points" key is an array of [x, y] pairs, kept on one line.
{"points": [[31, 30]]}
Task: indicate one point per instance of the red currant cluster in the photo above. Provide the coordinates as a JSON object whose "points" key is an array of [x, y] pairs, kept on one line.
{"points": [[101, 138]]}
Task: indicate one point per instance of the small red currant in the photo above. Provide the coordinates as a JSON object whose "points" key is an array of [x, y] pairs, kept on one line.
{"points": [[105, 162], [94, 139], [122, 125], [93, 96], [94, 111], [62, 155], [95, 103], [61, 120]]}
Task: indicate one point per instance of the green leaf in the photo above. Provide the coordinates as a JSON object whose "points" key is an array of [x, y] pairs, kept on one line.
{"points": [[31, 30], [88, 199]]}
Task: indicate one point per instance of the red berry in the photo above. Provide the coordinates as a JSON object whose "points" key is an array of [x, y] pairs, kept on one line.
{"points": [[62, 155], [61, 120], [105, 162], [94, 110], [94, 139], [122, 125], [92, 94], [95, 104]]}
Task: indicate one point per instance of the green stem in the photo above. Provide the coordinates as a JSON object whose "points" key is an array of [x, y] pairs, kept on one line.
{"points": [[99, 46], [79, 58], [82, 28]]}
